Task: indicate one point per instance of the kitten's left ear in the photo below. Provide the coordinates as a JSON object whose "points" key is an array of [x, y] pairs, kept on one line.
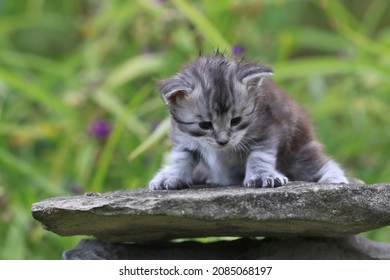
{"points": [[173, 89], [253, 75]]}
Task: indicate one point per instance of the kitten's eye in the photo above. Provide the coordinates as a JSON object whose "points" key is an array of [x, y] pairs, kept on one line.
{"points": [[206, 125], [235, 121]]}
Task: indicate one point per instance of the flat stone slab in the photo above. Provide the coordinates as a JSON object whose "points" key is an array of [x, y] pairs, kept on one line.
{"points": [[297, 209]]}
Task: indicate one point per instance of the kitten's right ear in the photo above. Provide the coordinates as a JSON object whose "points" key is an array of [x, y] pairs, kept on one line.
{"points": [[173, 89], [253, 74]]}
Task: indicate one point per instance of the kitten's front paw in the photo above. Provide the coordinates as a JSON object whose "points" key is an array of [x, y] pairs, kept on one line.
{"points": [[332, 173], [334, 180], [269, 180], [163, 183]]}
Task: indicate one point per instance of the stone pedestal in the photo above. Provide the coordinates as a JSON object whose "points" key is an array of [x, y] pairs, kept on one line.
{"points": [[299, 221]]}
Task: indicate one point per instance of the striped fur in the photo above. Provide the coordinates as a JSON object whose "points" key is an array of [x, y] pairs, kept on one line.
{"points": [[232, 125]]}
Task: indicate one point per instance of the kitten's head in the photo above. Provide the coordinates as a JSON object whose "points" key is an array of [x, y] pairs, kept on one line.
{"points": [[213, 99]]}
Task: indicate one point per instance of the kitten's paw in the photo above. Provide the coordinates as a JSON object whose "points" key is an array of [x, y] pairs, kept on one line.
{"points": [[334, 179], [332, 173], [167, 184], [266, 180]]}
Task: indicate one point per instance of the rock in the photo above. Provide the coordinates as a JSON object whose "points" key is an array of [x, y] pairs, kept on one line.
{"points": [[296, 248], [298, 209]]}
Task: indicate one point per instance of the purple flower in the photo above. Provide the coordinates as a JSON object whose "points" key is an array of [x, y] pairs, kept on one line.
{"points": [[100, 129], [76, 189], [70, 186], [237, 50]]}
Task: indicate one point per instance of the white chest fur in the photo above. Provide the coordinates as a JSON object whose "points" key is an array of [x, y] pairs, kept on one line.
{"points": [[225, 167]]}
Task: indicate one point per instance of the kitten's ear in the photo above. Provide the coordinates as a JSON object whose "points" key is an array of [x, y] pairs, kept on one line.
{"points": [[173, 89], [253, 75]]}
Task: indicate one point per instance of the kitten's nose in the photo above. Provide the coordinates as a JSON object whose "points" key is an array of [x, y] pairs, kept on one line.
{"points": [[222, 142]]}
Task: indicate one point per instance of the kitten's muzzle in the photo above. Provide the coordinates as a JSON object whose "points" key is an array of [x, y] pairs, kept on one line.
{"points": [[222, 138]]}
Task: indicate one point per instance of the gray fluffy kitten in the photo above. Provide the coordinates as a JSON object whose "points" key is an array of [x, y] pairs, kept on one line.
{"points": [[231, 125]]}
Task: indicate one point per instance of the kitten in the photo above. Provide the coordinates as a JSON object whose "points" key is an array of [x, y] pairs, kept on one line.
{"points": [[231, 125]]}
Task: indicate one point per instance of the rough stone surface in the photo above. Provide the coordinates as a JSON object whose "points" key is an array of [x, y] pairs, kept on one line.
{"points": [[297, 248], [298, 209]]}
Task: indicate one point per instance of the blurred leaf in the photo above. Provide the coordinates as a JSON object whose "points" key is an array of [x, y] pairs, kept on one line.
{"points": [[317, 39], [203, 25], [35, 93], [42, 130], [123, 12], [339, 15], [25, 169], [132, 69], [373, 15], [158, 134], [12, 23], [103, 33], [35, 62], [14, 247], [305, 67], [115, 106], [106, 156], [312, 66], [85, 163]]}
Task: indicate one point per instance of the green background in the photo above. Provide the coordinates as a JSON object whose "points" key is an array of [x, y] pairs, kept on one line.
{"points": [[66, 63]]}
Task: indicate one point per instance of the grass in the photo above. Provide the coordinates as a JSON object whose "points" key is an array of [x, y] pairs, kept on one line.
{"points": [[66, 64]]}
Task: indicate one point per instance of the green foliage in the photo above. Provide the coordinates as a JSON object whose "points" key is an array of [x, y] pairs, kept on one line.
{"points": [[66, 64]]}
